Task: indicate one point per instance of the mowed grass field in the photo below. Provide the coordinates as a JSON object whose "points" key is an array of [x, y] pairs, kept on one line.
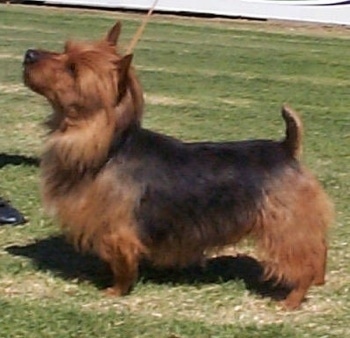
{"points": [[204, 79]]}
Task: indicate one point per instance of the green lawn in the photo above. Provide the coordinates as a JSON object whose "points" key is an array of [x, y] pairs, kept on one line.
{"points": [[203, 80]]}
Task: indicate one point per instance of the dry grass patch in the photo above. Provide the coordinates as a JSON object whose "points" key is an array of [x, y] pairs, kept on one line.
{"points": [[155, 99], [11, 88], [19, 28], [244, 75], [10, 56], [32, 287], [208, 304]]}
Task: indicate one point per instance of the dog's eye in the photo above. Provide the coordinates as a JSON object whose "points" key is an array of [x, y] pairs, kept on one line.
{"points": [[71, 67]]}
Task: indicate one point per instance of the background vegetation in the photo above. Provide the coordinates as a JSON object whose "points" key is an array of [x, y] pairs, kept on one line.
{"points": [[204, 79]]}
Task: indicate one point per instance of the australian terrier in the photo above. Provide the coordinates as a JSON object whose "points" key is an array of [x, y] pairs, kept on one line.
{"points": [[128, 193]]}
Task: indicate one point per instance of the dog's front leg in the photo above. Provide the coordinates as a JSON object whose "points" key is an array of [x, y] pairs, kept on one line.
{"points": [[122, 254]]}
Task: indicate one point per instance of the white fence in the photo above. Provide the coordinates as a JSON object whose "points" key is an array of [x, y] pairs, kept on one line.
{"points": [[324, 11]]}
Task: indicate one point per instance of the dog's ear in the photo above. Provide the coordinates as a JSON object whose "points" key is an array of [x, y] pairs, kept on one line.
{"points": [[113, 34], [123, 69]]}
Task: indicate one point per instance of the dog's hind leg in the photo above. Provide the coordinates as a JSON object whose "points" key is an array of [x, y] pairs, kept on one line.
{"points": [[297, 295], [293, 234], [320, 266], [307, 267]]}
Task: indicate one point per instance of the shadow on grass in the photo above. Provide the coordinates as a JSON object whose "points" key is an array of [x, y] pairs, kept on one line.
{"points": [[6, 159], [55, 255]]}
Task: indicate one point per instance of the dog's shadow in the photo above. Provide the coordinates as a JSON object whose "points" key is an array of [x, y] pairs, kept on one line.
{"points": [[7, 159], [55, 255]]}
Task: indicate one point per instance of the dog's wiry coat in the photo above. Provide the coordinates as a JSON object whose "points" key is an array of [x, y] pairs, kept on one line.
{"points": [[125, 192]]}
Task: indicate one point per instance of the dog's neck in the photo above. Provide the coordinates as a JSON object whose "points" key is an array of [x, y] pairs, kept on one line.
{"points": [[82, 145]]}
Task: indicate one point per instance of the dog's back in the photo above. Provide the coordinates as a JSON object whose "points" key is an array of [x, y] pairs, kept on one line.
{"points": [[198, 196]]}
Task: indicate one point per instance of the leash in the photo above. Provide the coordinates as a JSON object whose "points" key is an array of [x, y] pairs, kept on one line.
{"points": [[139, 32]]}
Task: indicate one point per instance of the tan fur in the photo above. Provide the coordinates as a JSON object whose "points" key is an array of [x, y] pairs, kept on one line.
{"points": [[293, 240], [81, 128], [294, 131], [96, 97]]}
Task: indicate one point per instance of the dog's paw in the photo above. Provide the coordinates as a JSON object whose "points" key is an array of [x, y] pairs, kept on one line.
{"points": [[113, 292]]}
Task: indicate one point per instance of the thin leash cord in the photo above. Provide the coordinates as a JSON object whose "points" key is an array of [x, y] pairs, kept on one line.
{"points": [[139, 32]]}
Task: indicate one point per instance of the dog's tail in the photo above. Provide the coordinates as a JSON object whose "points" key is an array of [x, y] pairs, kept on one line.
{"points": [[294, 131]]}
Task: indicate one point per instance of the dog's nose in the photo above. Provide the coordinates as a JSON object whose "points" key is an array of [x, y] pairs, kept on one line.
{"points": [[31, 56]]}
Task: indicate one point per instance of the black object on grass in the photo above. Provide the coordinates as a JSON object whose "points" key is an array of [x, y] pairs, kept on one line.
{"points": [[9, 214]]}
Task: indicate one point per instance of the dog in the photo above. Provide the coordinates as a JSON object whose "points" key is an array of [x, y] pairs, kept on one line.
{"points": [[127, 193]]}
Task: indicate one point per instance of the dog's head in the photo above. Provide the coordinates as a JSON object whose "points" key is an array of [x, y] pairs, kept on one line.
{"points": [[84, 79]]}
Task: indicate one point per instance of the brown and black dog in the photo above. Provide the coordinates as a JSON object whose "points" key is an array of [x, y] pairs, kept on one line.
{"points": [[127, 193]]}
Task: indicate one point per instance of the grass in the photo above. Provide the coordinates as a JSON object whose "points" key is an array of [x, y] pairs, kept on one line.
{"points": [[204, 80]]}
